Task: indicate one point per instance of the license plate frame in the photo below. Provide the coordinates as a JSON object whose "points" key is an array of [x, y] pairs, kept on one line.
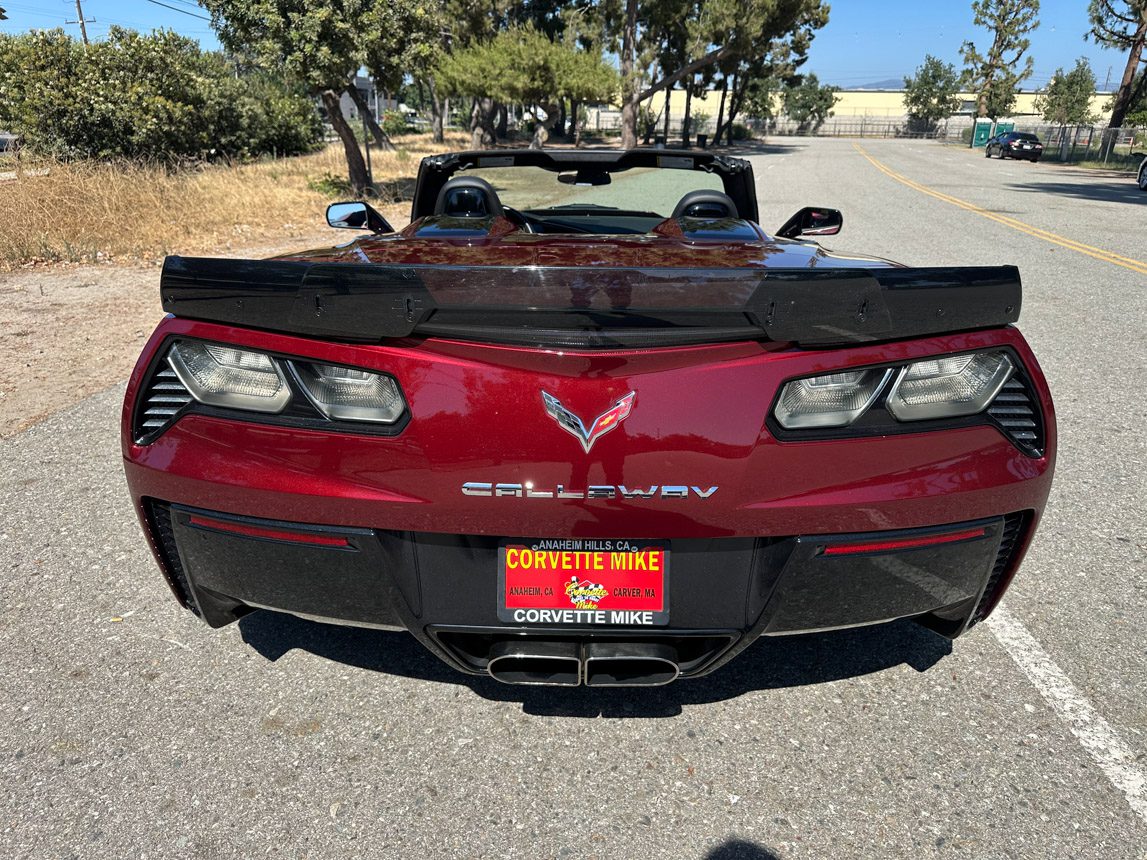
{"points": [[613, 585]]}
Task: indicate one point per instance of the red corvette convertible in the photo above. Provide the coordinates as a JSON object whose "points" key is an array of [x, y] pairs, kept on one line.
{"points": [[584, 422]]}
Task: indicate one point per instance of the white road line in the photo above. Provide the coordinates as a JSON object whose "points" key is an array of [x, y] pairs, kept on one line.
{"points": [[1093, 732]]}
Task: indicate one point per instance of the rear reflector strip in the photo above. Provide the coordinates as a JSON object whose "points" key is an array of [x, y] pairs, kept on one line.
{"points": [[263, 532], [902, 543]]}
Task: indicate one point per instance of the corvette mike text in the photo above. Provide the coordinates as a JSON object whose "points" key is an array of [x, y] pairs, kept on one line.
{"points": [[584, 421]]}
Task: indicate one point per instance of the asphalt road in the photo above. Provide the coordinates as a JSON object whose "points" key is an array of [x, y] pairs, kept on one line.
{"points": [[130, 730]]}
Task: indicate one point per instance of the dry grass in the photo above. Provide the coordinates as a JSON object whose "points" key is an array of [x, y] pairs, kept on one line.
{"points": [[82, 212]]}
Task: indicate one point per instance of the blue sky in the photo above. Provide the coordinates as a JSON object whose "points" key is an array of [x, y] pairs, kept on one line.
{"points": [[865, 40]]}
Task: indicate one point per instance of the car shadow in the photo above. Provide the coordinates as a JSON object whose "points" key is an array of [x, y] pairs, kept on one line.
{"points": [[768, 664], [741, 849], [1121, 190]]}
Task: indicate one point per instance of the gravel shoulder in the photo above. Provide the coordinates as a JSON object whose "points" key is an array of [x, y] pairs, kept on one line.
{"points": [[68, 331]]}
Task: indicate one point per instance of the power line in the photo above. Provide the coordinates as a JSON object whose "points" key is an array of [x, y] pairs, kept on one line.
{"points": [[177, 9]]}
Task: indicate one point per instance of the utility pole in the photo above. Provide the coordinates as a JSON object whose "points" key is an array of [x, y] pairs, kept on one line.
{"points": [[82, 22]]}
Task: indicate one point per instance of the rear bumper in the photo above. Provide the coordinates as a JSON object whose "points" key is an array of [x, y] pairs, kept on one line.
{"points": [[725, 592]]}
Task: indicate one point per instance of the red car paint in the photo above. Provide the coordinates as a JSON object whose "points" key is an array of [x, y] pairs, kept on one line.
{"points": [[477, 415]]}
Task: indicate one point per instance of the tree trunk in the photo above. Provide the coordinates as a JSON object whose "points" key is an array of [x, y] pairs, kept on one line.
{"points": [[685, 130], [734, 108], [665, 132], [573, 132], [629, 101], [482, 132], [502, 130], [721, 110], [436, 113], [356, 166], [380, 138], [542, 127], [1123, 98]]}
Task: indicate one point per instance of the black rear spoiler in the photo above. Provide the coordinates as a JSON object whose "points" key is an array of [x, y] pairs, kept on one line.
{"points": [[591, 306]]}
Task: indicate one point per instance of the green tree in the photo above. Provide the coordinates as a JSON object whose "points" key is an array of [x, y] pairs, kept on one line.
{"points": [[716, 33], [399, 35], [524, 66], [777, 62], [1067, 98], [1121, 25], [930, 95], [318, 42], [993, 76], [808, 103]]}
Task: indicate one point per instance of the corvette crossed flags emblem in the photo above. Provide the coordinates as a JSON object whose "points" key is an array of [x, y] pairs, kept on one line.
{"points": [[601, 425]]}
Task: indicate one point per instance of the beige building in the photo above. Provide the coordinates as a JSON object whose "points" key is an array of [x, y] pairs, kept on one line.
{"points": [[877, 104]]}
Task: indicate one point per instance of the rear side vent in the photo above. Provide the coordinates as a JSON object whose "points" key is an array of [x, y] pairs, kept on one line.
{"points": [[1016, 412], [163, 400], [160, 515], [1012, 532]]}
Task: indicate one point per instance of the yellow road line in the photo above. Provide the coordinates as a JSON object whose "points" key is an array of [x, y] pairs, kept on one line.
{"points": [[1098, 253]]}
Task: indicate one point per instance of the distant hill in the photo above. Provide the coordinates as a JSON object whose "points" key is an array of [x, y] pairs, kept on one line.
{"points": [[886, 84]]}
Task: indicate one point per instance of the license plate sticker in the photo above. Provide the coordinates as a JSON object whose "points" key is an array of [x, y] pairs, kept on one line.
{"points": [[574, 582]]}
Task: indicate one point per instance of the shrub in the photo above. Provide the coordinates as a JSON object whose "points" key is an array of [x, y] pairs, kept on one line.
{"points": [[394, 123], [155, 96]]}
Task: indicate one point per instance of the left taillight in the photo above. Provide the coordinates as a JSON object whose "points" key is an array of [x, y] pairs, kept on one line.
{"points": [[230, 377], [221, 379]]}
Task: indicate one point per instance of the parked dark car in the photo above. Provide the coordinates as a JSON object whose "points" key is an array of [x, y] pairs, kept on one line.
{"points": [[1014, 144], [1143, 174]]}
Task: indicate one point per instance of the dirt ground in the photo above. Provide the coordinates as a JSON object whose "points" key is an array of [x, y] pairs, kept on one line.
{"points": [[69, 331]]}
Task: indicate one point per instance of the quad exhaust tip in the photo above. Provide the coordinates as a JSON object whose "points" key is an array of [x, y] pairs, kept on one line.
{"points": [[630, 664], [597, 664], [531, 662]]}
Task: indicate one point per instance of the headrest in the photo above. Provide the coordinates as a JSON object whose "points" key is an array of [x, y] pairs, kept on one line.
{"points": [[705, 204], [467, 197]]}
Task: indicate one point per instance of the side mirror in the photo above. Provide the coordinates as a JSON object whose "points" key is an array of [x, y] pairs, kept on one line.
{"points": [[357, 216], [812, 221]]}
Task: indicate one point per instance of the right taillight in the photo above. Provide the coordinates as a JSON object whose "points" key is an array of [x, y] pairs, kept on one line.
{"points": [[950, 386], [829, 400]]}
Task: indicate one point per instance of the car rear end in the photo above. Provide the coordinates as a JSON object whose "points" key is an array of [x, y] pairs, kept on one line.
{"points": [[547, 506]]}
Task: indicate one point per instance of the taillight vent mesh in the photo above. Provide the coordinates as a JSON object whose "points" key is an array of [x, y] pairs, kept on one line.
{"points": [[1017, 414], [163, 400]]}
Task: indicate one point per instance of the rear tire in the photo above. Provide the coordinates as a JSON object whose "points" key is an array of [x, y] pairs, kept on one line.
{"points": [[987, 152], [1143, 176]]}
